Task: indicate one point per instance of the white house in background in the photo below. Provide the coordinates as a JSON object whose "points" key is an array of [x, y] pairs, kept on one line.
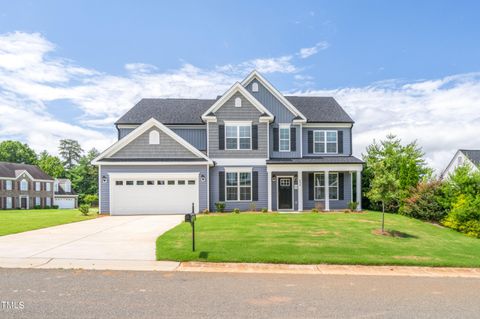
{"points": [[64, 196], [470, 158]]}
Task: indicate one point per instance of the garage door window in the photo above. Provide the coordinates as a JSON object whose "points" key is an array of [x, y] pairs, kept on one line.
{"points": [[171, 182], [150, 183], [160, 182], [192, 182], [130, 183], [140, 183], [119, 183], [181, 182]]}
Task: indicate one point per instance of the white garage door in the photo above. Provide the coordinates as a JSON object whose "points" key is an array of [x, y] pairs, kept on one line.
{"points": [[152, 194], [64, 203]]}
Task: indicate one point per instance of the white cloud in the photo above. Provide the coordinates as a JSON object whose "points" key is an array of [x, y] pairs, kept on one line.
{"points": [[442, 115], [283, 64], [308, 52]]}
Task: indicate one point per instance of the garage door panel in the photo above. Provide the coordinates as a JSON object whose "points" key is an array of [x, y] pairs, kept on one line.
{"points": [[153, 199]]}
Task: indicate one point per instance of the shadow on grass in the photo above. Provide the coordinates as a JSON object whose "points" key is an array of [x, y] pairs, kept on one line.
{"points": [[393, 233]]}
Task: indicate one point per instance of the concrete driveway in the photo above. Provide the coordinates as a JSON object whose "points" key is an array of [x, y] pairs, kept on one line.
{"points": [[105, 238]]}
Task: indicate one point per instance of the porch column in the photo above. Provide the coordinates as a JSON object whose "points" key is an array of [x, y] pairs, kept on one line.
{"points": [[269, 190], [359, 190], [300, 190], [327, 191]]}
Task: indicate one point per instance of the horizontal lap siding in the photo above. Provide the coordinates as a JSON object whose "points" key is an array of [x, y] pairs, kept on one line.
{"points": [[334, 204], [140, 148], [262, 190], [106, 170], [228, 112], [196, 137], [346, 140], [122, 132]]}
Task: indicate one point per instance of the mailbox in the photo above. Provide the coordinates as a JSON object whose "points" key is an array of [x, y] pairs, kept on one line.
{"points": [[190, 218]]}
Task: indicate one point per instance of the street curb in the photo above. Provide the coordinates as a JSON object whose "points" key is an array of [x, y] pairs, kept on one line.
{"points": [[323, 269]]}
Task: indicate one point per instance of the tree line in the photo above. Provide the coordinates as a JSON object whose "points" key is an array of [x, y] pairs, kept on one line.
{"points": [[72, 163]]}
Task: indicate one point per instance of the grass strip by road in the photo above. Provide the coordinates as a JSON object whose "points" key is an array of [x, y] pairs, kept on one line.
{"points": [[309, 238]]}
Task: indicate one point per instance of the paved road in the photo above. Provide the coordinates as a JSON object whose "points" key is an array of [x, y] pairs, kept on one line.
{"points": [[106, 238], [122, 294]]}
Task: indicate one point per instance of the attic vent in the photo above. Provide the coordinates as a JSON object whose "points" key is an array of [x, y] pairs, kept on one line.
{"points": [[238, 102], [154, 137], [254, 87]]}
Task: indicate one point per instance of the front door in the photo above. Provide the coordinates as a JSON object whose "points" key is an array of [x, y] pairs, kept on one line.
{"points": [[285, 192], [23, 202]]}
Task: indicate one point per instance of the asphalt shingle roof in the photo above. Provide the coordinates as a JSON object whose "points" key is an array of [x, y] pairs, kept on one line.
{"points": [[189, 111], [12, 169], [473, 155]]}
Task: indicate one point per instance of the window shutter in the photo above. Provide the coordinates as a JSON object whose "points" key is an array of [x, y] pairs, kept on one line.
{"points": [[310, 186], [221, 137], [255, 186], [275, 139], [221, 186], [340, 141], [254, 137], [293, 139], [341, 188], [310, 142]]}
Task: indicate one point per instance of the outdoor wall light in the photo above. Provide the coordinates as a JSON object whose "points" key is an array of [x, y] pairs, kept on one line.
{"points": [[274, 178], [202, 178], [104, 179]]}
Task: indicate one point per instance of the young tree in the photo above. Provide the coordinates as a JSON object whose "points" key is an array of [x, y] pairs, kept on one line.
{"points": [[385, 186], [52, 165], [404, 163], [71, 152], [16, 152], [84, 175]]}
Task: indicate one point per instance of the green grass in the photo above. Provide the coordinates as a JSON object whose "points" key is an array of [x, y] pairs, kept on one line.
{"points": [[17, 221], [334, 238]]}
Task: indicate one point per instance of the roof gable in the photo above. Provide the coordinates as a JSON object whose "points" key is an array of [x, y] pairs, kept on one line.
{"points": [[15, 170], [472, 155]]}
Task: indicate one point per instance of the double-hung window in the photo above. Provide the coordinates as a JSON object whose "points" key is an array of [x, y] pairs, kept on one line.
{"points": [[238, 136], [37, 186], [8, 185], [325, 142], [24, 185], [284, 138], [319, 186], [238, 186]]}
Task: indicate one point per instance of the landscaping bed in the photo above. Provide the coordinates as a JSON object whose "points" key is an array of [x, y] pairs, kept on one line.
{"points": [[313, 238]]}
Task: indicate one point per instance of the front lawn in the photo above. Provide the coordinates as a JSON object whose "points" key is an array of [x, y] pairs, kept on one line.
{"points": [[333, 238], [17, 221]]}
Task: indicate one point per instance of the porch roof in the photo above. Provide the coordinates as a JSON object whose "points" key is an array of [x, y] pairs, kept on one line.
{"points": [[317, 160]]}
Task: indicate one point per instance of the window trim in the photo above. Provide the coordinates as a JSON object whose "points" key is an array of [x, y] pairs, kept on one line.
{"points": [[238, 101], [154, 137], [255, 86], [9, 202], [280, 127], [8, 185], [48, 187], [238, 186], [237, 125], [38, 186], [24, 182], [323, 186], [325, 147]]}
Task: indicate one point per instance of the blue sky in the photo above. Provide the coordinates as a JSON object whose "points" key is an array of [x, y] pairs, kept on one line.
{"points": [[92, 60]]}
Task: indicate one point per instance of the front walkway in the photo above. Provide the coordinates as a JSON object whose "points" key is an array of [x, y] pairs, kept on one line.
{"points": [[119, 238]]}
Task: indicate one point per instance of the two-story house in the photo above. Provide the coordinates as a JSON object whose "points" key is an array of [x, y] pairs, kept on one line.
{"points": [[251, 148], [24, 186]]}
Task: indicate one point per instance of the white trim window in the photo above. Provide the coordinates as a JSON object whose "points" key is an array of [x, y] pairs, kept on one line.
{"points": [[319, 186], [238, 186], [24, 185], [154, 137], [9, 202], [48, 202], [255, 87], [37, 186], [8, 185], [55, 187], [325, 142], [238, 136], [37, 201], [284, 138], [238, 102], [48, 187]]}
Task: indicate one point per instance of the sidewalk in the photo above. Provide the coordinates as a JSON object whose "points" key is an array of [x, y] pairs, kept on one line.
{"points": [[147, 265]]}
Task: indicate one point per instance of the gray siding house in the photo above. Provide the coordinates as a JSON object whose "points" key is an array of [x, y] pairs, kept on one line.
{"points": [[251, 148]]}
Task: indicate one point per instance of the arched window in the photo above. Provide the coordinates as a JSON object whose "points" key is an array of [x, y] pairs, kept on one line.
{"points": [[460, 160], [238, 102], [254, 87], [24, 185], [154, 137]]}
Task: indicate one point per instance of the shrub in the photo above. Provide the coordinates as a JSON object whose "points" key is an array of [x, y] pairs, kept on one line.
{"points": [[314, 210], [319, 206], [252, 207], [55, 206], [46, 207], [424, 202], [37, 207], [84, 209], [205, 211], [220, 207], [352, 206], [264, 210], [465, 215], [90, 199], [236, 211]]}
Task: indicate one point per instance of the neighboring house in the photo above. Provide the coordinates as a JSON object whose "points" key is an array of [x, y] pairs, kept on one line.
{"points": [[65, 196], [470, 158], [24, 186], [251, 148]]}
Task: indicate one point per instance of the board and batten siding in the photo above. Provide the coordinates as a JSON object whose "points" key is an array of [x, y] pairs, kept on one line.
{"points": [[334, 204], [346, 140], [140, 148], [105, 170], [242, 205], [228, 112]]}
